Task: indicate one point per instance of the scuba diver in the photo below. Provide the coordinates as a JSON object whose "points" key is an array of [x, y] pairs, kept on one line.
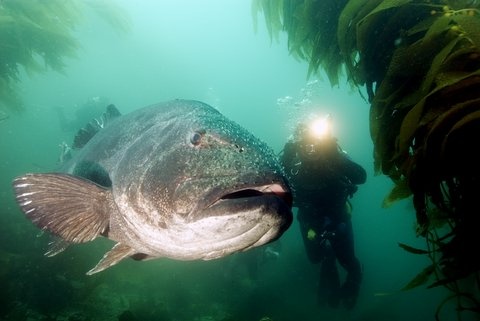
{"points": [[323, 178]]}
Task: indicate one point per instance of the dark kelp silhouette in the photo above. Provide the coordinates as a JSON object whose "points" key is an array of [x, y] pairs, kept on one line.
{"points": [[36, 36], [420, 64]]}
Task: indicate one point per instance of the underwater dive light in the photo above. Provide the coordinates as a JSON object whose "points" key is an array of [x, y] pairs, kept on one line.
{"points": [[321, 127]]}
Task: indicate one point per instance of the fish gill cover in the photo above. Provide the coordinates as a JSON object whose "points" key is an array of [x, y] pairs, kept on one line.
{"points": [[419, 61]]}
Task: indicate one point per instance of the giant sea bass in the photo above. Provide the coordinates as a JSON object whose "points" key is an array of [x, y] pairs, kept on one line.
{"points": [[176, 180]]}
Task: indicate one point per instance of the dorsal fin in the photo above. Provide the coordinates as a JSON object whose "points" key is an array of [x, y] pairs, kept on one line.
{"points": [[86, 133]]}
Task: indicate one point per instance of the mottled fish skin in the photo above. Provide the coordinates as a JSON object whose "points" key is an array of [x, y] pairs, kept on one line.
{"points": [[176, 180]]}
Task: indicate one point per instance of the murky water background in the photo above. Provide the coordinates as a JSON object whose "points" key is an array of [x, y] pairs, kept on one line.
{"points": [[204, 50]]}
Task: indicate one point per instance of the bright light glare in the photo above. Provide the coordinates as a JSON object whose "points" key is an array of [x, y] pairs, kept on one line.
{"points": [[320, 127]]}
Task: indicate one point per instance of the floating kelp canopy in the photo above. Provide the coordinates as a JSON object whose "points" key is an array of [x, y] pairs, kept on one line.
{"points": [[420, 63], [38, 35]]}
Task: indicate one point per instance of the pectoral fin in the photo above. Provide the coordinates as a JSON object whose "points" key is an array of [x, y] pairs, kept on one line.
{"points": [[112, 257], [55, 246], [68, 206]]}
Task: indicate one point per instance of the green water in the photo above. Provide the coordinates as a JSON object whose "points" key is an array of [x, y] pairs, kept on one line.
{"points": [[204, 50]]}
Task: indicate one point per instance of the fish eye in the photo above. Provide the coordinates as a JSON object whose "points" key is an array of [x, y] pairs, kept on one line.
{"points": [[196, 138]]}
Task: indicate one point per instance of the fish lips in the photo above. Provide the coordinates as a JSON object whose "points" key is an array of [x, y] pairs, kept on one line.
{"points": [[246, 194], [274, 199]]}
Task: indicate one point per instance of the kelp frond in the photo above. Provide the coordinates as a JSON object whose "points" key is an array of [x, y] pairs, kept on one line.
{"points": [[273, 13], [311, 33], [38, 35]]}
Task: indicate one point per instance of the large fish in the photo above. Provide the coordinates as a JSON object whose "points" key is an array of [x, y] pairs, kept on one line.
{"points": [[175, 180]]}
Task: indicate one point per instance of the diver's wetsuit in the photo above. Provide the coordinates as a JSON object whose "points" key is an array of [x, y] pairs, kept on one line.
{"points": [[322, 185]]}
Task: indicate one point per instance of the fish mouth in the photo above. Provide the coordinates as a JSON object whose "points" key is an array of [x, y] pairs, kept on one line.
{"points": [[274, 189], [224, 195], [242, 217], [253, 215], [272, 198]]}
